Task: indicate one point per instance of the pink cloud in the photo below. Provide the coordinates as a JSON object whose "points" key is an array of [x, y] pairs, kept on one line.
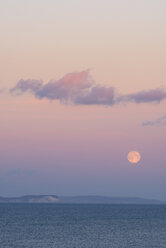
{"points": [[80, 89]]}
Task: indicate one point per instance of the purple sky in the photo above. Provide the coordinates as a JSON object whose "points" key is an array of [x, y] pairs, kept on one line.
{"points": [[66, 129]]}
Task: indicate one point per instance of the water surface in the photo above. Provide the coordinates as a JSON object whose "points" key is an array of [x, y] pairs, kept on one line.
{"points": [[82, 226]]}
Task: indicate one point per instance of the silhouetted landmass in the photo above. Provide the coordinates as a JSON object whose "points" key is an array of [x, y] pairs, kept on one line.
{"points": [[30, 199], [78, 200]]}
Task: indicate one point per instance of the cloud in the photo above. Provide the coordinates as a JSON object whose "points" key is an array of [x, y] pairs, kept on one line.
{"points": [[97, 95], [80, 89], [161, 121], [27, 85], [75, 88], [155, 95]]}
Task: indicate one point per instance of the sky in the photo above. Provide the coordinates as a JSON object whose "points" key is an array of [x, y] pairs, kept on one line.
{"points": [[82, 84]]}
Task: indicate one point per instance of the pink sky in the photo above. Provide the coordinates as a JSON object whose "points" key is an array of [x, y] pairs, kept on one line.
{"points": [[67, 149]]}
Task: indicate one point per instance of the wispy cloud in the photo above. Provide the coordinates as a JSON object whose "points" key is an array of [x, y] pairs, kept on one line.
{"points": [[80, 89], [154, 95], [161, 121], [27, 85]]}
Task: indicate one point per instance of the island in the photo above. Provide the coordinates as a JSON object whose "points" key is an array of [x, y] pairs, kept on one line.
{"points": [[90, 199]]}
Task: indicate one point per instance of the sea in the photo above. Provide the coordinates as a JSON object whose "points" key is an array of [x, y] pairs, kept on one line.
{"points": [[82, 226]]}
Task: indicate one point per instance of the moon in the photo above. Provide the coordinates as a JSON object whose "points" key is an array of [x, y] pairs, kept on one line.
{"points": [[134, 157]]}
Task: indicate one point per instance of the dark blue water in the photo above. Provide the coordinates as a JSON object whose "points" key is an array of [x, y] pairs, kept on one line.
{"points": [[82, 226]]}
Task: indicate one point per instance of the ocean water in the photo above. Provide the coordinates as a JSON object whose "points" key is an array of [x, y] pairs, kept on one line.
{"points": [[82, 226]]}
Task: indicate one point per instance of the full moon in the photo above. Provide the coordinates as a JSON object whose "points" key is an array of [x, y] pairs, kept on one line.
{"points": [[134, 157]]}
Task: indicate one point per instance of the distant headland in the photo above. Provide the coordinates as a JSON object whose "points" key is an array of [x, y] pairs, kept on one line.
{"points": [[91, 199]]}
